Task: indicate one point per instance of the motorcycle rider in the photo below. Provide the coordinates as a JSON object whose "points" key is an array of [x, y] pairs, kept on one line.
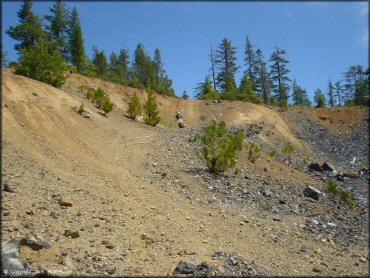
{"points": [[179, 120]]}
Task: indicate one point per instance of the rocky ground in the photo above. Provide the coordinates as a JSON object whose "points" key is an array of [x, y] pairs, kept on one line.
{"points": [[109, 196]]}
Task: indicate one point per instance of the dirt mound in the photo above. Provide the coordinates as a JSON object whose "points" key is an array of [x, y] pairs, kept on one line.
{"points": [[140, 200]]}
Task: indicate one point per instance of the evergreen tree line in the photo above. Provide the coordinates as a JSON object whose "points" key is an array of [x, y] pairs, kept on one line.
{"points": [[353, 89], [268, 81], [45, 51]]}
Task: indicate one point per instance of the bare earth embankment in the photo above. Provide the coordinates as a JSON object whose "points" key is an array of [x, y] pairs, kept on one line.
{"points": [[142, 199]]}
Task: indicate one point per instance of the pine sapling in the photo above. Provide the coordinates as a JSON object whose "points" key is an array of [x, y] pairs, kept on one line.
{"points": [[134, 108]]}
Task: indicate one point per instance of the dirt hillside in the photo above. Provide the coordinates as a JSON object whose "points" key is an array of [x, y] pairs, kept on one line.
{"points": [[142, 200]]}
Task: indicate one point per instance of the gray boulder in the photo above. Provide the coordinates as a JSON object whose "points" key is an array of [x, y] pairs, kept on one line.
{"points": [[312, 192], [10, 261]]}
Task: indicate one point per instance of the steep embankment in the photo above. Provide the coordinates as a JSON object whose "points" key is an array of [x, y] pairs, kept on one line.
{"points": [[142, 200]]}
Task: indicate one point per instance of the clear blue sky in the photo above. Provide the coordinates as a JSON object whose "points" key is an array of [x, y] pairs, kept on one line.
{"points": [[322, 39]]}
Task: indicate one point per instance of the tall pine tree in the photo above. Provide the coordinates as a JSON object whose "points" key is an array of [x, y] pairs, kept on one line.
{"points": [[225, 61], [250, 62], [357, 85], [123, 63], [143, 68], [158, 66], [29, 30], [263, 82], [77, 54], [57, 29], [279, 75], [330, 94], [213, 68], [338, 88], [100, 61], [300, 96]]}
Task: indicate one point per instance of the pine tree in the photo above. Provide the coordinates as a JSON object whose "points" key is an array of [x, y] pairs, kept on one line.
{"points": [[100, 61], [123, 63], [263, 82], [158, 66], [185, 95], [225, 61], [42, 62], [204, 90], [330, 94], [279, 75], [58, 28], [151, 110], [29, 30], [113, 62], [143, 68], [134, 108], [213, 69], [300, 96], [362, 95], [77, 54], [338, 92], [107, 105], [357, 85], [245, 90], [319, 99], [250, 62]]}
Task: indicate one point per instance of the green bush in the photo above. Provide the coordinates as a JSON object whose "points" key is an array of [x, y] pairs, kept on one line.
{"points": [[43, 63], [272, 153], [254, 152], [219, 146], [107, 105], [99, 97], [151, 110], [289, 148], [332, 187], [81, 109], [134, 108], [347, 197]]}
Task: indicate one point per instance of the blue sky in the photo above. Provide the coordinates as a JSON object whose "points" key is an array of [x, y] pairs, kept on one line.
{"points": [[322, 39]]}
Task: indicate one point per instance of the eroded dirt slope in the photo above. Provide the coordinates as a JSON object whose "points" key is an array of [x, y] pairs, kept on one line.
{"points": [[143, 200]]}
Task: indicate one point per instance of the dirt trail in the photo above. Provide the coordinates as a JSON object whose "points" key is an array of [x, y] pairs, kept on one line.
{"points": [[101, 166]]}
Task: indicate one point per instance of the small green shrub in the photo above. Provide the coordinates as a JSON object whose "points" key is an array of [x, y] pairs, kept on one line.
{"points": [[236, 171], [99, 97], [192, 139], [306, 160], [254, 152], [82, 89], [90, 95], [272, 153], [81, 109], [134, 108], [219, 146], [347, 197], [332, 187], [288, 148], [107, 105]]}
